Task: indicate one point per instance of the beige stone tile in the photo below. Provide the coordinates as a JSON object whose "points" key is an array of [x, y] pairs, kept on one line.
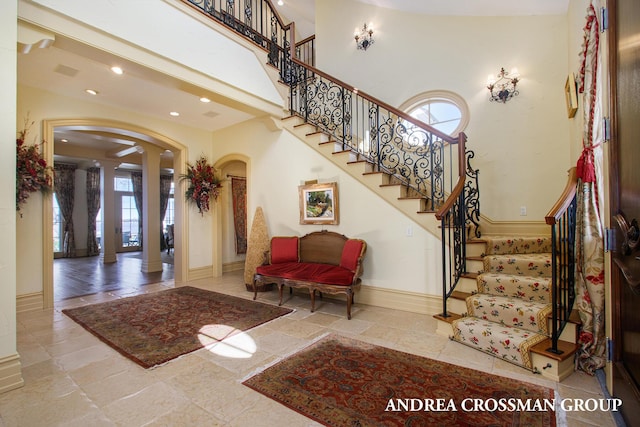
{"points": [[600, 418], [32, 353], [421, 343], [226, 399], [118, 386], [299, 328], [187, 415], [40, 370], [58, 411], [322, 319], [350, 327], [279, 343], [146, 405], [462, 355], [101, 369], [80, 358], [268, 413]]}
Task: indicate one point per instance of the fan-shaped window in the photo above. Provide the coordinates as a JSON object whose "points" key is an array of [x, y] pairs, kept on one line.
{"points": [[446, 111]]}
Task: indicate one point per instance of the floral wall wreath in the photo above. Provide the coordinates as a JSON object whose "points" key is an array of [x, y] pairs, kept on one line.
{"points": [[32, 172], [203, 184]]}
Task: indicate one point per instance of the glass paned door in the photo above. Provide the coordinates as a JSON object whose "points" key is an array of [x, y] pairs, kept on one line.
{"points": [[128, 224]]}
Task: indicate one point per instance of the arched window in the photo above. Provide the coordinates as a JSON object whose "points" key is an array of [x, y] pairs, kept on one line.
{"points": [[446, 111]]}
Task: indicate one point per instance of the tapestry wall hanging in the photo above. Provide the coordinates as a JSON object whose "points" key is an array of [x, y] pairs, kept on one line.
{"points": [[239, 195]]}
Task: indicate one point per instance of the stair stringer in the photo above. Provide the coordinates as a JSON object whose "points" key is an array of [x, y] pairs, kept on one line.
{"points": [[378, 182]]}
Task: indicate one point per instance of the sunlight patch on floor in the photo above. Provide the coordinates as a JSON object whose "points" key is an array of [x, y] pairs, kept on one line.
{"points": [[227, 341]]}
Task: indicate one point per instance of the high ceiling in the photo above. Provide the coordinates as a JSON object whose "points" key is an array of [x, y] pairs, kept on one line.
{"points": [[69, 67]]}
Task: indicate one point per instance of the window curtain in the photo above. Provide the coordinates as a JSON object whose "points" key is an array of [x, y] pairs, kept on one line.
{"points": [[93, 206], [165, 190], [590, 292], [64, 186], [239, 195], [136, 183]]}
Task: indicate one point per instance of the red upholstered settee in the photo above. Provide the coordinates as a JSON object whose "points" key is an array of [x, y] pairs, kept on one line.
{"points": [[322, 261]]}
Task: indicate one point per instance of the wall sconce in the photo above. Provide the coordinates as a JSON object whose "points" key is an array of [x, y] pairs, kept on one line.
{"points": [[364, 37], [503, 86]]}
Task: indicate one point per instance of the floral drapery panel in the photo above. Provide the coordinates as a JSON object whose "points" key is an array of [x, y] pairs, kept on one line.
{"points": [[589, 228], [64, 186], [239, 195], [136, 183], [165, 191], [93, 206]]}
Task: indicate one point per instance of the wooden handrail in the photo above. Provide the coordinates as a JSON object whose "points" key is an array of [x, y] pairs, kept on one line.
{"points": [[307, 40], [399, 113], [565, 199], [462, 170]]}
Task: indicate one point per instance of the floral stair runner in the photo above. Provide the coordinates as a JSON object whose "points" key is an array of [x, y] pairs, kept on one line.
{"points": [[508, 314]]}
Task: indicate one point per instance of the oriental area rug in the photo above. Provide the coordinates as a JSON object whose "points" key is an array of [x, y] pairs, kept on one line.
{"points": [[339, 381], [152, 329]]}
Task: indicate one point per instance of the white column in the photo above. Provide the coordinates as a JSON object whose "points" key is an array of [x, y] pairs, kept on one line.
{"points": [[151, 224], [10, 367], [107, 203]]}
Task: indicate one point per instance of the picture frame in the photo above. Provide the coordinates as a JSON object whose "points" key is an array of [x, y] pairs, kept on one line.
{"points": [[319, 203], [571, 95]]}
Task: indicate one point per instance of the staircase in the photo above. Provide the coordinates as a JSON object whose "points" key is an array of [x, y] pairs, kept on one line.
{"points": [[509, 302], [505, 308]]}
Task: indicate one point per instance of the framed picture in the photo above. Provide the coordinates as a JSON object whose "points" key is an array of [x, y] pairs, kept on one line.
{"points": [[319, 203], [571, 95]]}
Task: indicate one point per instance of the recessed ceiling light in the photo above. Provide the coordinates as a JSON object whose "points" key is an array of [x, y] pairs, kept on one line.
{"points": [[280, 2], [91, 91], [174, 113], [205, 99], [117, 70]]}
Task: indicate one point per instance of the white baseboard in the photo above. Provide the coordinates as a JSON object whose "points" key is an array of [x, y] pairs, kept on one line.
{"points": [[399, 300], [29, 302], [10, 373], [233, 266], [503, 228], [200, 273]]}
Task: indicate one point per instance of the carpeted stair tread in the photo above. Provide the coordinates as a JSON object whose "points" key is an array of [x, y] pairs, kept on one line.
{"points": [[524, 287], [505, 342], [534, 265], [509, 311], [501, 245]]}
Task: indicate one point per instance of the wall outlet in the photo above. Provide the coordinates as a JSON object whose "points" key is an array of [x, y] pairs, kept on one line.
{"points": [[409, 231], [523, 211]]}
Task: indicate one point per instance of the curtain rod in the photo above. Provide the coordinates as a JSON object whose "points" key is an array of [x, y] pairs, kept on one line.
{"points": [[236, 176]]}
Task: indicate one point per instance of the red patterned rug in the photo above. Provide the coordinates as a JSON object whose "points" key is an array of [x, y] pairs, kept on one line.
{"points": [[339, 381], [154, 328]]}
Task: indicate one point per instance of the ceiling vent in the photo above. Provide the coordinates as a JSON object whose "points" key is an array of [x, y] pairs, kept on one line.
{"points": [[67, 71], [211, 114]]}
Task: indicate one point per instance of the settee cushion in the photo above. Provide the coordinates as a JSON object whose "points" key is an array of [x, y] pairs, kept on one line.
{"points": [[284, 249], [350, 254], [309, 271]]}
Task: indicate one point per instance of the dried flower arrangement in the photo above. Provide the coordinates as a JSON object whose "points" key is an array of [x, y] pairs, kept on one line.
{"points": [[32, 172], [203, 184]]}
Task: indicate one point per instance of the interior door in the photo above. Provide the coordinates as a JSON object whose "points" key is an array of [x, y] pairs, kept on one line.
{"points": [[625, 202], [127, 223]]}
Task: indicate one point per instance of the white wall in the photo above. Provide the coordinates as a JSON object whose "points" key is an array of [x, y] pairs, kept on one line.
{"points": [[8, 250], [280, 162], [522, 147]]}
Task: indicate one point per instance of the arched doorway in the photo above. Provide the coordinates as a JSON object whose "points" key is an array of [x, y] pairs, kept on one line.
{"points": [[228, 254], [100, 128]]}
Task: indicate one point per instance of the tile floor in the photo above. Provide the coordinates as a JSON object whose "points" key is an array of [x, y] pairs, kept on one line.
{"points": [[73, 379]]}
